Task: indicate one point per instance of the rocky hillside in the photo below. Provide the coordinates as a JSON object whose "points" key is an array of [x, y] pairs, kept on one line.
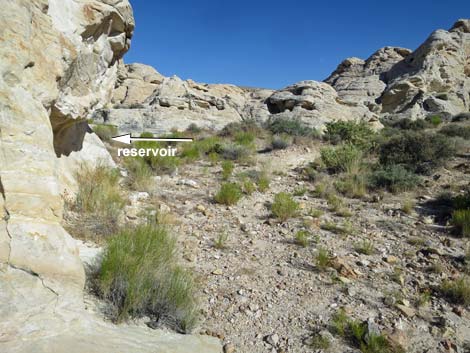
{"points": [[58, 63], [392, 83]]}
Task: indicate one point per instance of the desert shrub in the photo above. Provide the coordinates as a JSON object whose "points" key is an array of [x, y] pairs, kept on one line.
{"points": [[200, 148], [105, 131], [344, 158], [158, 163], [98, 202], [323, 258], [193, 128], [245, 138], [284, 206], [455, 130], [408, 206], [357, 334], [236, 128], [342, 229], [280, 142], [140, 277], [419, 152], [227, 169], [229, 194], [393, 178], [235, 152], [461, 221], [408, 124], [263, 183], [140, 174], [457, 291], [365, 247], [434, 120], [352, 184], [248, 186], [302, 238], [358, 134], [292, 127], [221, 241]]}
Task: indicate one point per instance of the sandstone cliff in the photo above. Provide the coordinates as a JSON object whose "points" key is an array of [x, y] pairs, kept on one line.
{"points": [[392, 83], [58, 63]]}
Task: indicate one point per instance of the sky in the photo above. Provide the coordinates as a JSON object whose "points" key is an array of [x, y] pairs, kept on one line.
{"points": [[272, 43]]}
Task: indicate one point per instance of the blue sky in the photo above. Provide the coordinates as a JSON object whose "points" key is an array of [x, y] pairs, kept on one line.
{"points": [[274, 43]]}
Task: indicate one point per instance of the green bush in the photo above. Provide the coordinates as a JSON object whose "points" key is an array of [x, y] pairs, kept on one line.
{"points": [[158, 163], [393, 178], [140, 277], [284, 206], [461, 222], [434, 120], [344, 158], [293, 127], [200, 148], [229, 194], [419, 152], [456, 130], [105, 131], [227, 169], [457, 291], [245, 138], [358, 134], [358, 335]]}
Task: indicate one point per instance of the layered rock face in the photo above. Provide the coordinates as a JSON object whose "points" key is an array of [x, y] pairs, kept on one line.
{"points": [[144, 100], [392, 83], [434, 79], [58, 63], [314, 103], [362, 81]]}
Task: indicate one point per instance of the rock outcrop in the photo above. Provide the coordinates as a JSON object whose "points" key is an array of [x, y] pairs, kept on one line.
{"points": [[434, 79], [362, 81], [314, 103], [392, 83], [58, 63], [144, 100]]}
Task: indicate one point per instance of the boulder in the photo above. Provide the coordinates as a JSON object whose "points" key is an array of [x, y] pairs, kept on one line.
{"points": [[314, 103], [58, 63], [434, 79]]}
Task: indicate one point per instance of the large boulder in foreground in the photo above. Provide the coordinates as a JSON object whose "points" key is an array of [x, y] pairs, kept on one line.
{"points": [[58, 62]]}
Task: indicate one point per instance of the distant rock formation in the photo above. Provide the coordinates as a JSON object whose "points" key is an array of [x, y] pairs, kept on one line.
{"points": [[144, 100], [58, 62], [392, 83]]}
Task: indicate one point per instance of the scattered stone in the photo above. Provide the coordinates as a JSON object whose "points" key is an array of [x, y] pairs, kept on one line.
{"points": [[407, 311]]}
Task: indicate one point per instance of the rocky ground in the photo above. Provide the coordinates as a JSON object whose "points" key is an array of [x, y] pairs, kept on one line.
{"points": [[263, 292]]}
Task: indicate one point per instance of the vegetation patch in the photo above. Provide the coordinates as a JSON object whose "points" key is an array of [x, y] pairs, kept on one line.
{"points": [[139, 276], [358, 134], [98, 202], [417, 151], [357, 334], [344, 158], [394, 178], [229, 194], [457, 291], [284, 206]]}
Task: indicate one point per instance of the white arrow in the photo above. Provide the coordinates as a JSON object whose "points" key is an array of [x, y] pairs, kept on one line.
{"points": [[127, 139]]}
